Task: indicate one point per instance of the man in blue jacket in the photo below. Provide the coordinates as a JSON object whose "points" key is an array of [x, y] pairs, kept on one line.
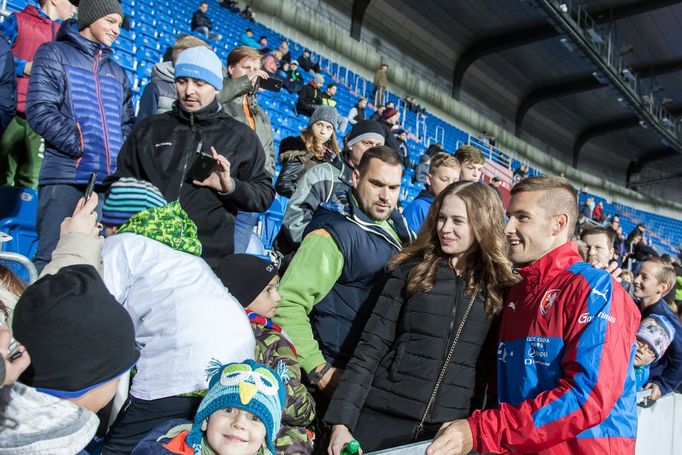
{"points": [[80, 101]]}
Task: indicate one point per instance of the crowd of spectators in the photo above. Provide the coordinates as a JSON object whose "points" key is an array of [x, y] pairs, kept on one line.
{"points": [[371, 323]]}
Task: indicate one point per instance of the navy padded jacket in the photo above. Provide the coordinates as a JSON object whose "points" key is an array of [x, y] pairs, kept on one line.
{"points": [[80, 101]]}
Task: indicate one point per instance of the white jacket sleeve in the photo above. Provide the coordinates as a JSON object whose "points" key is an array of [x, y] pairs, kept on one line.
{"points": [[116, 268]]}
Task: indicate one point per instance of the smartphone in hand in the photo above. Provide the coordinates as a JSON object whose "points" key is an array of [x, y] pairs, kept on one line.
{"points": [[202, 167], [91, 186], [272, 84]]}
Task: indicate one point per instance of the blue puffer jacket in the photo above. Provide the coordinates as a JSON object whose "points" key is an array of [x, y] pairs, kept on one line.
{"points": [[80, 101]]}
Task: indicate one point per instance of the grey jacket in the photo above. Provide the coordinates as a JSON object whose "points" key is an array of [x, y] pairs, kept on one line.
{"points": [[327, 182], [231, 98]]}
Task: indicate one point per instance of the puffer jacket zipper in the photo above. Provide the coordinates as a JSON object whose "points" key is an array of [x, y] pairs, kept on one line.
{"points": [[187, 153], [98, 91], [444, 368]]}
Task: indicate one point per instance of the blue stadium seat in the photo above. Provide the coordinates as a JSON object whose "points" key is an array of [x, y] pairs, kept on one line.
{"points": [[18, 207], [126, 60]]}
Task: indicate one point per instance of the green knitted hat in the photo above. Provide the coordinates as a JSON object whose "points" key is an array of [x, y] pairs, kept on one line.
{"points": [[169, 224]]}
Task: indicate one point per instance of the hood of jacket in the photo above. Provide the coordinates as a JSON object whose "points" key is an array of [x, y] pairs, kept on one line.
{"points": [[68, 32], [164, 71], [169, 225]]}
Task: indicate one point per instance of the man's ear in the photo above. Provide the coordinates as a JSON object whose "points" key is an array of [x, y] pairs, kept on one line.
{"points": [[356, 178], [560, 223], [204, 425], [664, 288]]}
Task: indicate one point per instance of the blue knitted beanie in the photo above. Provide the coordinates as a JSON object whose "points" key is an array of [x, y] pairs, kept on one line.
{"points": [[200, 63], [249, 386], [129, 196]]}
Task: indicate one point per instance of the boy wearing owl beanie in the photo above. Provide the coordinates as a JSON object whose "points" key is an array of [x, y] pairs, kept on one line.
{"points": [[253, 282], [240, 415]]}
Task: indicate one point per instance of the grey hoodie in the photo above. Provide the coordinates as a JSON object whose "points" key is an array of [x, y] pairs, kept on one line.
{"points": [[160, 94]]}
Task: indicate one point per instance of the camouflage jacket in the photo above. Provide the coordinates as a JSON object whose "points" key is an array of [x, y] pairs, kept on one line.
{"points": [[276, 351]]}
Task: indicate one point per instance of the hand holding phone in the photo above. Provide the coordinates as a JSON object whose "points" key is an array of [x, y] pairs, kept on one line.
{"points": [[91, 186], [201, 167], [219, 179], [272, 84]]}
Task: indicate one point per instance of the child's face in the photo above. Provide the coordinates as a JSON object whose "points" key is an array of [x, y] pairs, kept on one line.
{"points": [[233, 431], [441, 178], [268, 300], [470, 171], [646, 283], [644, 354]]}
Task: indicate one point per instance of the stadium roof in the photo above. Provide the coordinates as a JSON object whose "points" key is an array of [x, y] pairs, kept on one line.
{"points": [[507, 59]]}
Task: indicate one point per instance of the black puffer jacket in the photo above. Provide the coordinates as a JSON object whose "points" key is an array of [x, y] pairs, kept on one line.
{"points": [[296, 161], [396, 365]]}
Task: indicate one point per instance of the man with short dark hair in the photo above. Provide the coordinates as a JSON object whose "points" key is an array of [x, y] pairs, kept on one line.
{"points": [[202, 24], [599, 244], [566, 383], [163, 148], [346, 248]]}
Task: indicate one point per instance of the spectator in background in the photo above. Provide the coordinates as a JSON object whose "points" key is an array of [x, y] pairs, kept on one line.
{"points": [[306, 62], [263, 45], [495, 183], [598, 212], [247, 39], [328, 182], [472, 161], [271, 63], [83, 116], [389, 119], [434, 149], [231, 5], [202, 24], [421, 172], [248, 14], [316, 144], [654, 279], [20, 146], [357, 112], [653, 339], [238, 99], [520, 173], [599, 245], [294, 80], [160, 93], [284, 49], [324, 317], [162, 144], [310, 97], [444, 169], [401, 137], [378, 113], [8, 92], [327, 96], [411, 105], [380, 83]]}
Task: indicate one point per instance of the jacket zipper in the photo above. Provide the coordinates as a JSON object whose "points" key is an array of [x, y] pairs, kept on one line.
{"points": [[188, 152], [443, 369], [98, 92]]}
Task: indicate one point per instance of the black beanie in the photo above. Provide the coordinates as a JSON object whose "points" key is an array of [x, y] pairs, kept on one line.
{"points": [[77, 334], [365, 130], [245, 276], [90, 11]]}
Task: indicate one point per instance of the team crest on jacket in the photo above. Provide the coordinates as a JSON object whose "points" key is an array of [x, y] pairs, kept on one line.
{"points": [[548, 300]]}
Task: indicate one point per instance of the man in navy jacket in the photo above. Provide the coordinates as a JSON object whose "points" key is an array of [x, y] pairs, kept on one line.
{"points": [[80, 101]]}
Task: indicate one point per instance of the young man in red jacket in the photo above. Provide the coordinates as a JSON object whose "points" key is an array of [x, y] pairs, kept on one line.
{"points": [[25, 32], [566, 382]]}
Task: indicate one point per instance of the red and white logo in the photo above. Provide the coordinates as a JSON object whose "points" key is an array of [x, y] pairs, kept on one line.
{"points": [[548, 300]]}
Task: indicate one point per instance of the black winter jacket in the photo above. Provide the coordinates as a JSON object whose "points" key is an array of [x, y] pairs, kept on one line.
{"points": [[162, 149], [296, 161], [396, 365], [200, 19], [308, 100]]}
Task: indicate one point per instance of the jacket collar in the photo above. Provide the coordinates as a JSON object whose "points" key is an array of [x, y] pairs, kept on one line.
{"points": [[551, 264], [207, 114], [69, 32], [424, 194], [34, 9]]}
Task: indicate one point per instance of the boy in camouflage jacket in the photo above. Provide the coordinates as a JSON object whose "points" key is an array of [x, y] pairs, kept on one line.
{"points": [[253, 282]]}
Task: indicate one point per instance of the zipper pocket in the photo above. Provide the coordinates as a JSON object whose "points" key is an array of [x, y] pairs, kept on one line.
{"points": [[444, 369]]}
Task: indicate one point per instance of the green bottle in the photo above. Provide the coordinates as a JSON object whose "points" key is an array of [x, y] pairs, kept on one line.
{"points": [[352, 448]]}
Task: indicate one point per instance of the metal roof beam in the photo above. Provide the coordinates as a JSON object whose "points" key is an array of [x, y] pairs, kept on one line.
{"points": [[526, 35], [356, 17]]}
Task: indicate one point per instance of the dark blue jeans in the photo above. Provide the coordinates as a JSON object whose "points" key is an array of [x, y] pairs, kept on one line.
{"points": [[243, 228], [55, 202]]}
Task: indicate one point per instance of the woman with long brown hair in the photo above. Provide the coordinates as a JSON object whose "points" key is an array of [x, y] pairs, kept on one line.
{"points": [[316, 144], [423, 356]]}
